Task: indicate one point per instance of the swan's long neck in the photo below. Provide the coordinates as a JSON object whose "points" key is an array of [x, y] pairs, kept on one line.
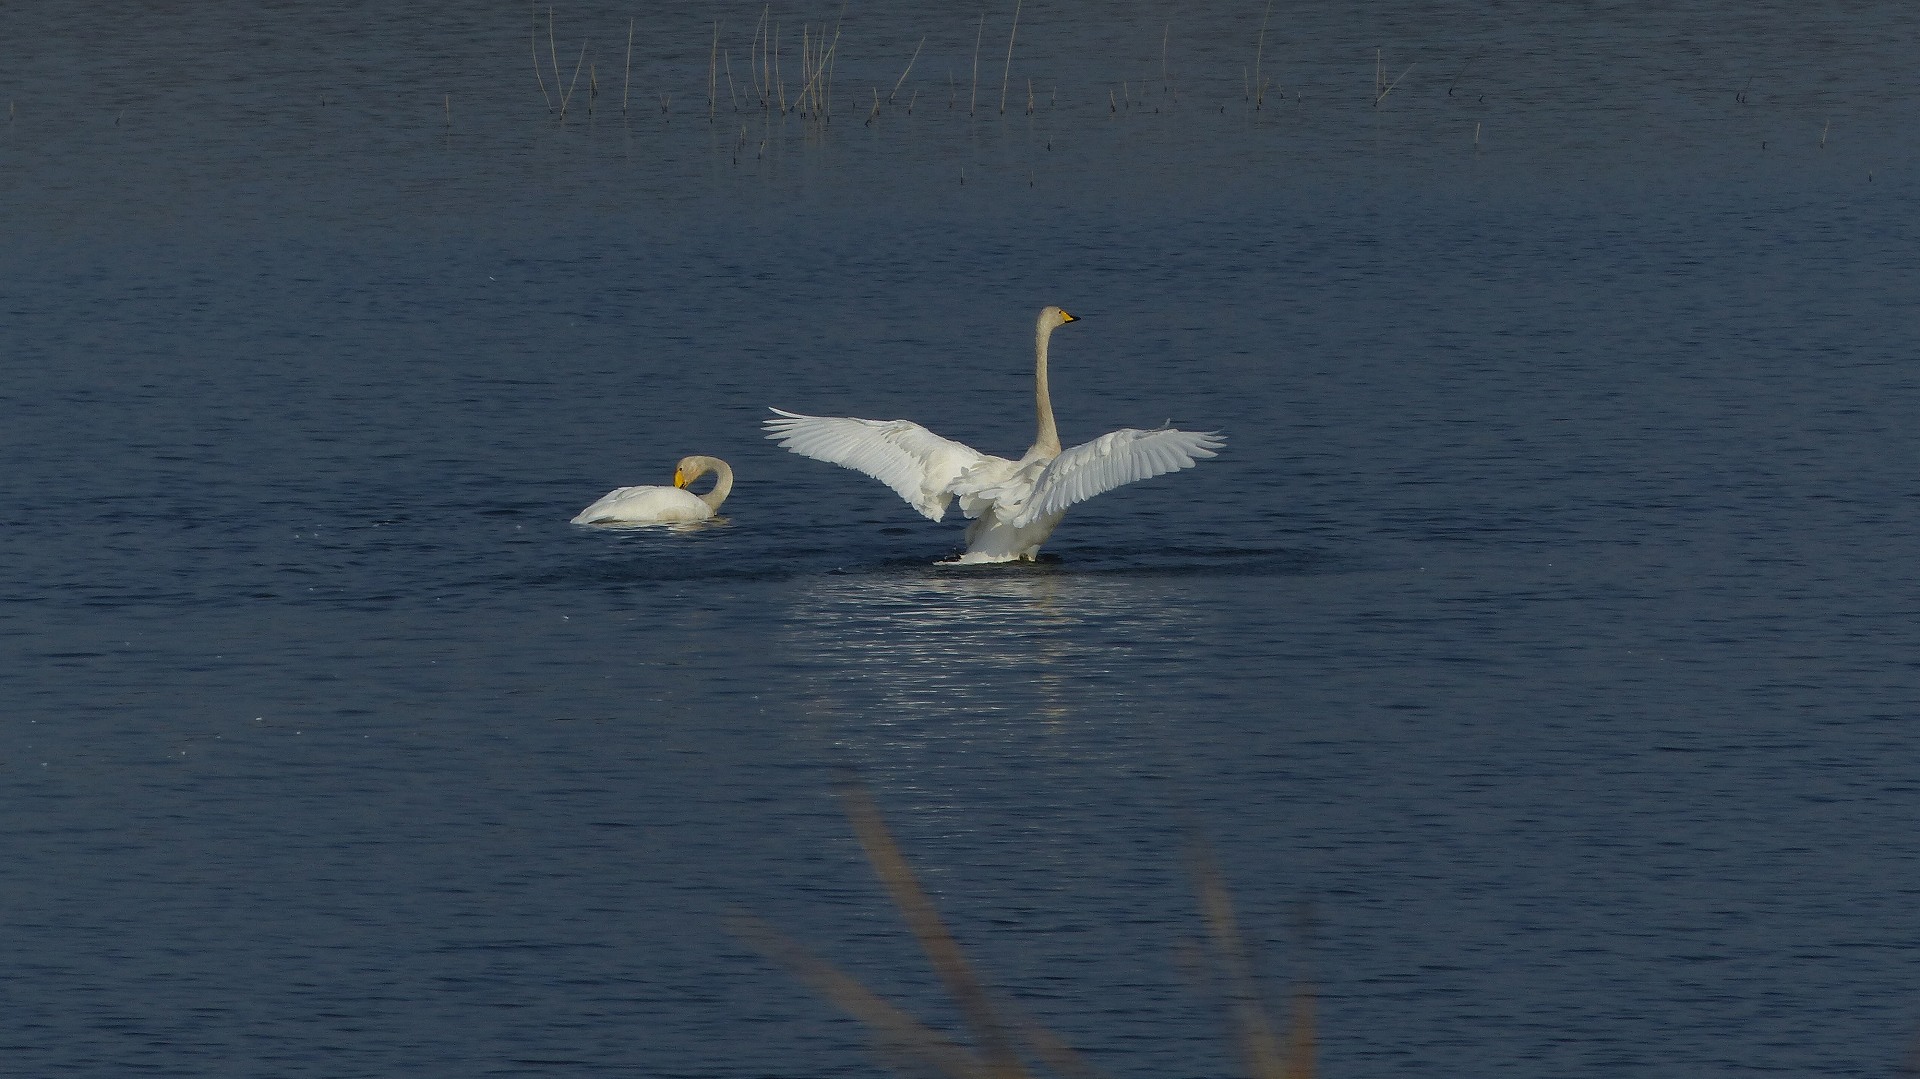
{"points": [[1047, 441], [722, 484]]}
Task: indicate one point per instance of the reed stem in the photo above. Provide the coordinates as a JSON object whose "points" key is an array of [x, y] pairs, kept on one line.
{"points": [[833, 58], [626, 86], [1259, 92], [533, 43], [1462, 71], [778, 78], [582, 62], [974, 100], [554, 55], [904, 74], [753, 62], [1390, 86], [818, 64], [1166, 80], [1007, 72], [833, 66]]}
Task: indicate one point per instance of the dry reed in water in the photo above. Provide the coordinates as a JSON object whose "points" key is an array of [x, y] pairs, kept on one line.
{"points": [[974, 100], [568, 96], [833, 60], [1462, 71], [778, 78], [909, 70], [533, 43], [753, 57], [1166, 80], [766, 64], [1007, 72], [1381, 87], [626, 83], [814, 95], [1260, 46], [806, 68], [553, 53]]}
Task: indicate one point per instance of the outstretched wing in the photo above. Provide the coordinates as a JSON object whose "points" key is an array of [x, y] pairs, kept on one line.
{"points": [[919, 465], [1111, 460]]}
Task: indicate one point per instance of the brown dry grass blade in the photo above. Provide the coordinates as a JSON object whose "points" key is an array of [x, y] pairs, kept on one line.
{"points": [[1259, 1047], [1300, 1042], [891, 866], [895, 1028], [976, 1007]]}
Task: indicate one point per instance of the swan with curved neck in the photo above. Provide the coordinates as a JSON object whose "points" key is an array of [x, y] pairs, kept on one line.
{"points": [[651, 505], [1015, 504]]}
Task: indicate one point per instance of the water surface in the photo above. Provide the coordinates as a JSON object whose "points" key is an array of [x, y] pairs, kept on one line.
{"points": [[1546, 629]]}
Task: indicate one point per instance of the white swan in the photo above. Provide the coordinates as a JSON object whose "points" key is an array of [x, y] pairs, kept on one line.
{"points": [[1016, 503], [664, 505]]}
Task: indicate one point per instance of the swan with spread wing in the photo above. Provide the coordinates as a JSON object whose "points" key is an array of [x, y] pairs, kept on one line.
{"points": [[1015, 504]]}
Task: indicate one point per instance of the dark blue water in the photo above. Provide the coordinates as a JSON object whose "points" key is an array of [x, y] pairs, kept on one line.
{"points": [[1543, 642]]}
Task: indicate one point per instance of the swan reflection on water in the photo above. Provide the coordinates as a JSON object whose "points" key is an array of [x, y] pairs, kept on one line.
{"points": [[660, 526], [1010, 648]]}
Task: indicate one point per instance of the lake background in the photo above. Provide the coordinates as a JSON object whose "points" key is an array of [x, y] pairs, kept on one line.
{"points": [[1539, 658]]}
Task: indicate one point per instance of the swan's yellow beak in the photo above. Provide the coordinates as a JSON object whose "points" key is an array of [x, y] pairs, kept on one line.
{"points": [[679, 477], [1064, 317]]}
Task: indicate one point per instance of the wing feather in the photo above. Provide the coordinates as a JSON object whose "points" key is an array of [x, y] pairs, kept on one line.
{"points": [[917, 464], [1119, 457]]}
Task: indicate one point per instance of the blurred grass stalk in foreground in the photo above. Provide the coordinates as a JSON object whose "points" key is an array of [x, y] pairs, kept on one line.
{"points": [[999, 1032]]}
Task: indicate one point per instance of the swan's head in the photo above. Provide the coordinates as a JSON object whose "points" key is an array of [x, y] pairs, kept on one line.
{"points": [[690, 469], [1051, 317]]}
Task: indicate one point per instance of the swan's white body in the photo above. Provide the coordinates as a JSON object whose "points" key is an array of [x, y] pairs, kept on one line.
{"points": [[664, 505], [1015, 504]]}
